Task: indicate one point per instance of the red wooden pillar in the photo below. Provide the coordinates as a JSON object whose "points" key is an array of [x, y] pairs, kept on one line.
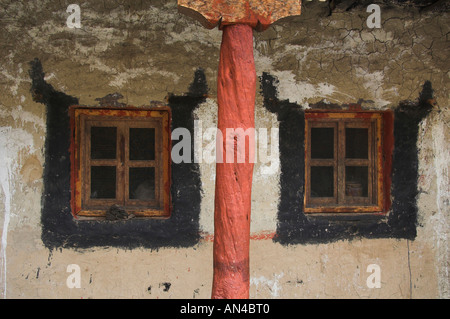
{"points": [[236, 89], [236, 98]]}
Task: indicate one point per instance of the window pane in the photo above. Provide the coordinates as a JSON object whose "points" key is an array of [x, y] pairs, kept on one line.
{"points": [[142, 183], [142, 144], [322, 142], [103, 182], [356, 181], [357, 143], [322, 181], [103, 142]]}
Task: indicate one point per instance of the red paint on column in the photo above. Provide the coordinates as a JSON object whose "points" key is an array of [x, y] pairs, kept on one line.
{"points": [[236, 89]]}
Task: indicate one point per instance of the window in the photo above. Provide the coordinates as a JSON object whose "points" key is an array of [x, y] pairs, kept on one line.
{"points": [[344, 162], [120, 158]]}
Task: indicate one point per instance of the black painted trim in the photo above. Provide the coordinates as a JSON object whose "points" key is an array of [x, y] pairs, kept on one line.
{"points": [[295, 227], [60, 229]]}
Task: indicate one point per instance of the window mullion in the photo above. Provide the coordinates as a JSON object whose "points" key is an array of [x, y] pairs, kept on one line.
{"points": [[308, 163], [85, 140], [122, 164], [158, 172], [340, 162], [371, 177]]}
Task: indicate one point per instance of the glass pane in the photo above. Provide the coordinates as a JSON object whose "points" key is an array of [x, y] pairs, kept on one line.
{"points": [[142, 183], [322, 181], [103, 142], [103, 182], [322, 142], [356, 181], [142, 144], [357, 143]]}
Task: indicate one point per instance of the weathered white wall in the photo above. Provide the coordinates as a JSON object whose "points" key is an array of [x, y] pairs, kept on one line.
{"points": [[145, 51]]}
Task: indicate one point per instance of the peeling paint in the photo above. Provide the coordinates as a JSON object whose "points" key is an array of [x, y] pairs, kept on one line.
{"points": [[301, 91], [19, 114], [11, 142], [435, 189], [273, 285], [441, 133]]}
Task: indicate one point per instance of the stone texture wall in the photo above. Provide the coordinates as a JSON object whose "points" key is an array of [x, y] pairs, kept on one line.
{"points": [[147, 51]]}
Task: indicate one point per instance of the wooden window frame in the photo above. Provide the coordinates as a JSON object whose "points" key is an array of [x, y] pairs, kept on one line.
{"points": [[82, 118], [340, 203]]}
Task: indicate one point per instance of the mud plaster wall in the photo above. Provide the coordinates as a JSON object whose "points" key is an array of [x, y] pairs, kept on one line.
{"points": [[147, 51]]}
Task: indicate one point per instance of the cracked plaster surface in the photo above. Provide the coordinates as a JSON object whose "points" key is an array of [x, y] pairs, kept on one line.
{"points": [[343, 60], [334, 57]]}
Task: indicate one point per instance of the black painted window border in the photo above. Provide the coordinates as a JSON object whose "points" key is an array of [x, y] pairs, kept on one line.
{"points": [[61, 230], [296, 227]]}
